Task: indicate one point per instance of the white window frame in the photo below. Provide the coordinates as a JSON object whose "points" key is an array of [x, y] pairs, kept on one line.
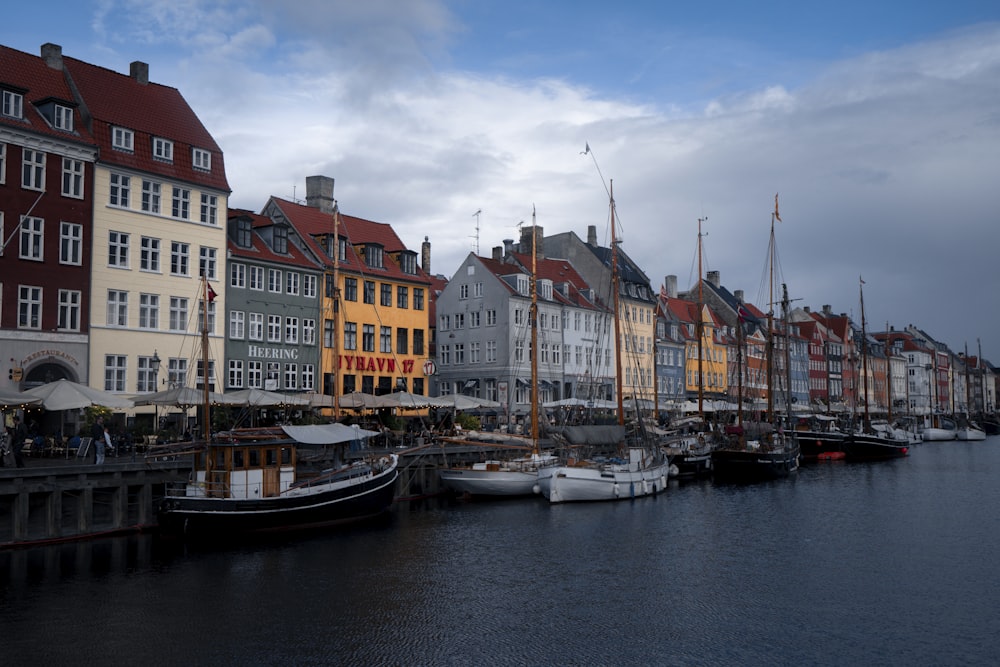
{"points": [[237, 324], [72, 178], [29, 307], [255, 374], [292, 283], [235, 376], [180, 253], [119, 188], [149, 254], [150, 200], [13, 104], [69, 310], [178, 313], [115, 372], [308, 377], [256, 280], [292, 330], [123, 139], [62, 118], [201, 159], [309, 286], [274, 328], [291, 376], [70, 243], [180, 203], [32, 241], [308, 331], [163, 149], [255, 326], [274, 281], [237, 275], [32, 169], [209, 209], [3, 164], [117, 310], [207, 262], [149, 311], [118, 249]]}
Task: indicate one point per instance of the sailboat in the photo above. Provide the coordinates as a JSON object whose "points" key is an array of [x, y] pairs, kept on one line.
{"points": [[246, 481], [639, 468], [776, 453], [865, 444], [516, 476]]}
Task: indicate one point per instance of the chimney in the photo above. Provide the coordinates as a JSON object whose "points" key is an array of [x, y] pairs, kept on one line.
{"points": [[319, 193], [497, 252], [139, 71], [508, 245], [425, 256], [592, 235], [827, 310], [671, 285], [739, 295], [806, 309], [713, 277], [533, 237], [52, 55]]}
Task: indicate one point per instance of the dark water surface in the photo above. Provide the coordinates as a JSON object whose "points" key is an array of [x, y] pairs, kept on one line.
{"points": [[890, 563]]}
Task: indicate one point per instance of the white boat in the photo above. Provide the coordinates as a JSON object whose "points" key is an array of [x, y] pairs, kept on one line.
{"points": [[970, 432], [638, 469], [939, 429]]}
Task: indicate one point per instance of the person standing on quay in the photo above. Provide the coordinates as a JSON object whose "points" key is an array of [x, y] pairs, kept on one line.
{"points": [[97, 437], [20, 435]]}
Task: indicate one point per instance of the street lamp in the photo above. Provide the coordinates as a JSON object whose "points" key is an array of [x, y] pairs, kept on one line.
{"points": [[155, 361]]}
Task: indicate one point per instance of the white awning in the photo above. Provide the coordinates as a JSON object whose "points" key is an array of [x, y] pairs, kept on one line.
{"points": [[326, 434]]}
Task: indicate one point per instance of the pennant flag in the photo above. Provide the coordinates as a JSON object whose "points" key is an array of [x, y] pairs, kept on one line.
{"points": [[743, 314], [211, 293], [776, 216], [663, 291], [586, 150]]}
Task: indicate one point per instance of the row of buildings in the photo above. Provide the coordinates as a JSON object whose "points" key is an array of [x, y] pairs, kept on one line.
{"points": [[114, 206]]}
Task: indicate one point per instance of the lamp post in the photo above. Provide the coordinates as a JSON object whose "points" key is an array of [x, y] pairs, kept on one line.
{"points": [[155, 361]]}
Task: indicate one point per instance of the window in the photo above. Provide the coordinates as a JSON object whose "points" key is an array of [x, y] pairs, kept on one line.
{"points": [[255, 374], [386, 299], [122, 139], [118, 249], [209, 209], [418, 298], [519, 351], [70, 243], [149, 254], [291, 282], [237, 324], [119, 190], [62, 118], [235, 379], [473, 353], [150, 196], [280, 239], [444, 354], [179, 258], [180, 206], [255, 331], [292, 330], [445, 322], [459, 353], [237, 275], [274, 328], [350, 335], [146, 379], [291, 376], [3, 163], [72, 178], [350, 289], [491, 317], [206, 262], [257, 278], [309, 286], [373, 256], [244, 237], [177, 372], [408, 263], [518, 316], [474, 319], [369, 291], [402, 340], [308, 331], [178, 313], [491, 351], [199, 377], [368, 337], [163, 149], [271, 378], [402, 297], [29, 307], [201, 159], [33, 172], [478, 289], [459, 320], [114, 372], [274, 281], [201, 316], [463, 291], [418, 341], [385, 339], [149, 311], [13, 104], [117, 308], [308, 377], [69, 310]]}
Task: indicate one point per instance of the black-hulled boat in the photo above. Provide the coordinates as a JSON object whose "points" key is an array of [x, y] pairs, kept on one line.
{"points": [[774, 456], [819, 439], [872, 447]]}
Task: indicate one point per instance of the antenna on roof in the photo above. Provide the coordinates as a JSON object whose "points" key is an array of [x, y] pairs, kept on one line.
{"points": [[476, 236]]}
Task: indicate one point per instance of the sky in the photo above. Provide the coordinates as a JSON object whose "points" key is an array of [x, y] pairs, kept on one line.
{"points": [[876, 123]]}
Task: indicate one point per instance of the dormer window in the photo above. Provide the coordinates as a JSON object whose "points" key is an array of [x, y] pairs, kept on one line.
{"points": [[122, 139], [545, 289], [163, 149], [243, 232], [280, 239], [13, 104], [373, 256], [62, 118], [408, 262], [523, 284], [201, 159]]}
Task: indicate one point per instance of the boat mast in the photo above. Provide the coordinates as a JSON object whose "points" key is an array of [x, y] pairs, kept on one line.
{"points": [[982, 377], [206, 425], [770, 318], [888, 374], [739, 364], [335, 253], [864, 354], [618, 334], [700, 329], [533, 322], [787, 330]]}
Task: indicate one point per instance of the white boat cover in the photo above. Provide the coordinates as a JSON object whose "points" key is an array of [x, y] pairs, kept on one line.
{"points": [[326, 434]]}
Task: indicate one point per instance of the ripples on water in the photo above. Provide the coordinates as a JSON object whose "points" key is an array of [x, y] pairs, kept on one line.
{"points": [[888, 563]]}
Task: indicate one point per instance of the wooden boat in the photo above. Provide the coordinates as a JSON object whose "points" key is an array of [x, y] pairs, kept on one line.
{"points": [[247, 481], [819, 438], [638, 467]]}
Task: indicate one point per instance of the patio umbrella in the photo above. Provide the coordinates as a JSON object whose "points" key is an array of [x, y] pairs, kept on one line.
{"points": [[407, 401], [463, 402], [182, 397], [66, 395], [358, 400], [259, 398], [14, 399]]}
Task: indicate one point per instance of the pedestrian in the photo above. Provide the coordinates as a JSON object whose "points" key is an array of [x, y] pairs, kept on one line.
{"points": [[20, 435], [97, 437]]}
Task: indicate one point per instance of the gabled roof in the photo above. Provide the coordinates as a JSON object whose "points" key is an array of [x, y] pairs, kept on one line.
{"points": [[149, 110], [36, 81], [259, 249], [560, 272], [628, 271], [315, 223]]}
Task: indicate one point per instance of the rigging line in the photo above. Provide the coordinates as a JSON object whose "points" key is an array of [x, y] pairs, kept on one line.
{"points": [[19, 225]]}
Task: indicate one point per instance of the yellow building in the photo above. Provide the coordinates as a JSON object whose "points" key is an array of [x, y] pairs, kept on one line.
{"points": [[714, 358], [377, 340]]}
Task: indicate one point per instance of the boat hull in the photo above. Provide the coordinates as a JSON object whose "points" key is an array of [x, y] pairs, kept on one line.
{"points": [[865, 447], [937, 434], [201, 517], [567, 484], [970, 434], [816, 445], [489, 482], [736, 464]]}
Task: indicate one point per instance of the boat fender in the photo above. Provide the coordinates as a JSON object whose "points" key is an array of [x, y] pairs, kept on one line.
{"points": [[536, 489], [617, 490]]}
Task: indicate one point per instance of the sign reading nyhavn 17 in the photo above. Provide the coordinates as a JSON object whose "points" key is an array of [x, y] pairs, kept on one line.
{"points": [[375, 364]]}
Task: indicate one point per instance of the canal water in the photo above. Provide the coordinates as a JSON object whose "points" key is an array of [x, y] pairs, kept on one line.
{"points": [[890, 563]]}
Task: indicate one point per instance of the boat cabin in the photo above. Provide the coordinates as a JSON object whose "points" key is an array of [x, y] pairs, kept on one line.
{"points": [[243, 470]]}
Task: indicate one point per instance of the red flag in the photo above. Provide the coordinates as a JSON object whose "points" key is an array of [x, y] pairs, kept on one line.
{"points": [[211, 293]]}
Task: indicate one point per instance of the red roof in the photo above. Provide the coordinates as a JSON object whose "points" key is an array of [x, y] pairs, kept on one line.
{"points": [[149, 110], [24, 71], [259, 250]]}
